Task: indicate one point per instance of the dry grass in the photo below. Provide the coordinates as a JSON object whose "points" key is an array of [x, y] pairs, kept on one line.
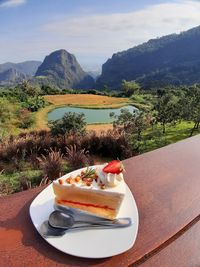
{"points": [[86, 100], [41, 118], [98, 128]]}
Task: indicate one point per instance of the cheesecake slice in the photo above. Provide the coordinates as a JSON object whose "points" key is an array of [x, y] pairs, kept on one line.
{"points": [[91, 190]]}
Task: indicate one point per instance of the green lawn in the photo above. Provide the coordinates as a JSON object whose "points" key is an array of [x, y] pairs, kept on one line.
{"points": [[154, 138], [10, 182]]}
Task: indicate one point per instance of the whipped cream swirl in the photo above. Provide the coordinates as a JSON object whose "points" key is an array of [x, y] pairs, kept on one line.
{"points": [[110, 179]]}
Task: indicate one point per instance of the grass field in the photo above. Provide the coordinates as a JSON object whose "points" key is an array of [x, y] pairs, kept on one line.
{"points": [[78, 100], [173, 134], [87, 100]]}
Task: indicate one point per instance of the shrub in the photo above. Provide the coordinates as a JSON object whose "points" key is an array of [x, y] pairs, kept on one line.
{"points": [[34, 103], [25, 119], [130, 87], [11, 182], [111, 144], [78, 158], [51, 164], [25, 184], [115, 145], [5, 111], [71, 123], [139, 99], [5, 188], [28, 146]]}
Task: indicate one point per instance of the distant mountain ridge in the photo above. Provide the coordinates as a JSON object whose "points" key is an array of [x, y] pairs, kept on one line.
{"points": [[170, 60], [13, 73], [11, 77], [26, 67]]}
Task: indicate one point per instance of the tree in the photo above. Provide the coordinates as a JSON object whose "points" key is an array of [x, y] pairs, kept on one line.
{"points": [[30, 90], [48, 90], [130, 87], [29, 96], [5, 111], [34, 103], [131, 123], [167, 109], [133, 126], [190, 102], [71, 122]]}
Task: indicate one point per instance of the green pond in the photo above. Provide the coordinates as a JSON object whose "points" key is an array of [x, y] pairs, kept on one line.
{"points": [[91, 115]]}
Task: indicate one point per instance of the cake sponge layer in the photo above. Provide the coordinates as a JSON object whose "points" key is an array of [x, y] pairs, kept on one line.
{"points": [[99, 202], [98, 211]]}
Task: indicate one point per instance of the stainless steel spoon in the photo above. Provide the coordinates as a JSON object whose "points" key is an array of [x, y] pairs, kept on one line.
{"points": [[58, 219], [46, 230], [79, 215]]}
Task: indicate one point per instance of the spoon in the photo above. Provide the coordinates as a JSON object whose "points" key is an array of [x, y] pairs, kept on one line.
{"points": [[79, 215], [47, 231], [58, 219]]}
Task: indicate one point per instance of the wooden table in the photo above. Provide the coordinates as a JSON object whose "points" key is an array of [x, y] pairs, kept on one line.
{"points": [[166, 186]]}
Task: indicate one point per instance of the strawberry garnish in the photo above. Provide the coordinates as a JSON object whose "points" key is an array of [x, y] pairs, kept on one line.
{"points": [[114, 166]]}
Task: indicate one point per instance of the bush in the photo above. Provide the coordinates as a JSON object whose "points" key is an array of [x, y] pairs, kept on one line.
{"points": [[111, 144], [78, 158], [138, 98], [71, 123], [48, 90], [52, 164], [5, 110], [6, 187], [130, 87], [25, 119], [34, 103], [28, 146], [18, 181]]}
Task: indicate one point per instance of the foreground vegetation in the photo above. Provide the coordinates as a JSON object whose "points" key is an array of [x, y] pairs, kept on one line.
{"points": [[30, 157], [54, 155]]}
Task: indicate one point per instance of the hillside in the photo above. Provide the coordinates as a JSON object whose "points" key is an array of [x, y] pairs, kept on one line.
{"points": [[61, 69], [169, 60], [11, 77], [26, 67]]}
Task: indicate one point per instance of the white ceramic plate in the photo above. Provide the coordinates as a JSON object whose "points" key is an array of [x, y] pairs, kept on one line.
{"points": [[91, 243]]}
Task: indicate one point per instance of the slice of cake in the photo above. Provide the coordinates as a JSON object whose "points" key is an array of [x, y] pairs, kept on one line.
{"points": [[98, 190]]}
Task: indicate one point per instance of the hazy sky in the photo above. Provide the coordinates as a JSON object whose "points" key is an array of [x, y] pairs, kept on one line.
{"points": [[92, 30]]}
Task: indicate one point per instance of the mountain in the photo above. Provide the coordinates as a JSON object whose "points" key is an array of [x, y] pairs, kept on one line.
{"points": [[61, 69], [27, 67], [170, 60], [11, 77], [94, 74]]}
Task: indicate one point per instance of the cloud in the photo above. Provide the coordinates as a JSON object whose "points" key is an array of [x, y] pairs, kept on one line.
{"points": [[105, 34], [93, 38], [12, 3]]}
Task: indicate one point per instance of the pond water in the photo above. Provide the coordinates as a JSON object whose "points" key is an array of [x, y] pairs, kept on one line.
{"points": [[91, 115]]}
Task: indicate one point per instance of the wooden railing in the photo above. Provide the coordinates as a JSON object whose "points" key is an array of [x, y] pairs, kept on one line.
{"points": [[166, 187]]}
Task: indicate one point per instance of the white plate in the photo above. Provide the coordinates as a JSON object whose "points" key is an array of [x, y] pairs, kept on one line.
{"points": [[91, 243]]}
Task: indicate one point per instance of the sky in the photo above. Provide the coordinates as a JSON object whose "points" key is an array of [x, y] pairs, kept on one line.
{"points": [[92, 30]]}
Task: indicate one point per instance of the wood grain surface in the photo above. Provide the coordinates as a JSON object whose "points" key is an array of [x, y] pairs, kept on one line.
{"points": [[183, 251], [165, 184]]}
